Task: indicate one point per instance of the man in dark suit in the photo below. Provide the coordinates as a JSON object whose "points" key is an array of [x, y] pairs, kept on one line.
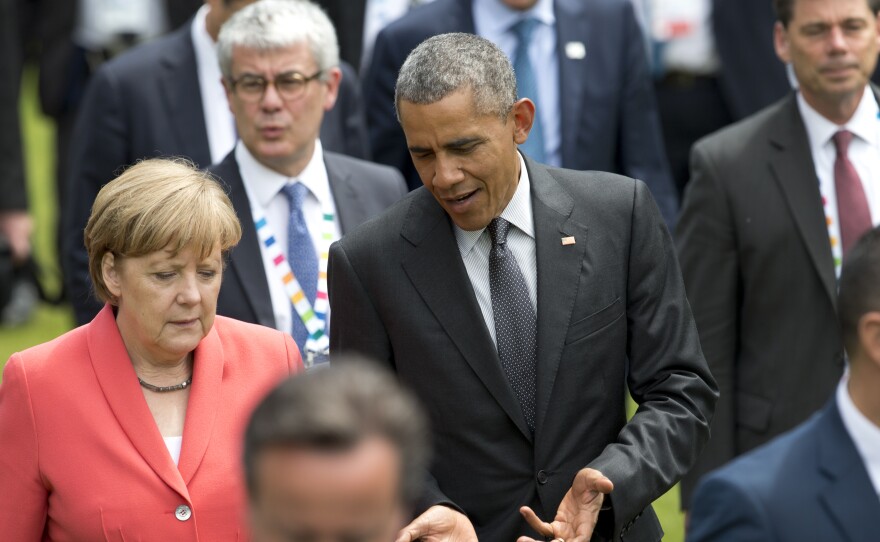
{"points": [[278, 92], [163, 98], [594, 69], [820, 481], [773, 204], [520, 302]]}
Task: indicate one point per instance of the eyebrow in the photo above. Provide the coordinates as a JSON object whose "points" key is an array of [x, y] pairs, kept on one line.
{"points": [[454, 144]]}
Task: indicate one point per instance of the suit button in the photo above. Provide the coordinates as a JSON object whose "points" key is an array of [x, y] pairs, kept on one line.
{"points": [[542, 477], [183, 512]]}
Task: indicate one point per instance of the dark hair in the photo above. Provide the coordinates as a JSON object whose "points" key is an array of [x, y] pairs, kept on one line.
{"points": [[336, 408], [785, 9], [859, 288]]}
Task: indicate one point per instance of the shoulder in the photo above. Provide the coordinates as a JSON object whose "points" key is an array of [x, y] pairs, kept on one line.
{"points": [[246, 337], [425, 21], [747, 135], [601, 194], [54, 358], [138, 64], [372, 172], [382, 232]]}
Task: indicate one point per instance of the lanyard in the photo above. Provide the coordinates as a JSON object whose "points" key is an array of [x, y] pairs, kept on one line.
{"points": [[313, 317]]}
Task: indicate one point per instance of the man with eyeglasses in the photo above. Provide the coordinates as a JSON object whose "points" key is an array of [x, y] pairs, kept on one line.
{"points": [[280, 66]]}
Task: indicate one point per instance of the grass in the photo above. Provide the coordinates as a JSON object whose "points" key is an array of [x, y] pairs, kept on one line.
{"points": [[48, 322]]}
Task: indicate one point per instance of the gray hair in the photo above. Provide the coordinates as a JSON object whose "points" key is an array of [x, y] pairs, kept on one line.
{"points": [[446, 63], [275, 24], [336, 408]]}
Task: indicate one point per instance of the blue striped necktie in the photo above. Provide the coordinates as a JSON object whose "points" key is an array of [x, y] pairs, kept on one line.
{"points": [[301, 255]]}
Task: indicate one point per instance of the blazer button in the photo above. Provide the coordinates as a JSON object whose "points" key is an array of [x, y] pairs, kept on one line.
{"points": [[183, 512], [542, 477]]}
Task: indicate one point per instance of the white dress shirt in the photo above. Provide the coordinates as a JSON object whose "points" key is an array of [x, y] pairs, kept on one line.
{"points": [[475, 246], [865, 435], [263, 187], [219, 121], [493, 21], [863, 152]]}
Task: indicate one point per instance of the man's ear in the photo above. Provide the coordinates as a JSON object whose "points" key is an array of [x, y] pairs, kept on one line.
{"points": [[869, 337], [110, 274], [332, 81], [780, 42], [523, 117]]}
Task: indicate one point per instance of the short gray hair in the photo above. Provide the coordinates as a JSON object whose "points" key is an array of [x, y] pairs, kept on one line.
{"points": [[446, 63], [337, 408], [276, 24]]}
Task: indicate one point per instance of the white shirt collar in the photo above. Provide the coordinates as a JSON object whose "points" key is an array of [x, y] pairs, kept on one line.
{"points": [[865, 435], [518, 212], [206, 48], [863, 122], [498, 18], [264, 183]]}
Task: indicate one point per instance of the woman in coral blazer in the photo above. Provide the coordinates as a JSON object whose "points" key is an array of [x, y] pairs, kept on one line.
{"points": [[130, 427]]}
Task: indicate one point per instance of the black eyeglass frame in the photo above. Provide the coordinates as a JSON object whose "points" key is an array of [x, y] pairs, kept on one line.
{"points": [[300, 79]]}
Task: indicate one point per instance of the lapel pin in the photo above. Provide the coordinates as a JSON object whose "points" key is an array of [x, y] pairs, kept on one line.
{"points": [[575, 50], [567, 241]]}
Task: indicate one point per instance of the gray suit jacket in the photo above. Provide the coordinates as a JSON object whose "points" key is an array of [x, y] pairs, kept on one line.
{"points": [[147, 103], [757, 264], [360, 190], [612, 315]]}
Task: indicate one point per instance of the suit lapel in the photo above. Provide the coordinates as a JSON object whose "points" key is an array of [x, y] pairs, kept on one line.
{"points": [[559, 273], [345, 196], [433, 263], [572, 26], [850, 497], [246, 259], [179, 86], [204, 398], [119, 384], [792, 166]]}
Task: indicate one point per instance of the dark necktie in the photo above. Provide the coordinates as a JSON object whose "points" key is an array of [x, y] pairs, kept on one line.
{"points": [[301, 255], [515, 322], [527, 85], [853, 213]]}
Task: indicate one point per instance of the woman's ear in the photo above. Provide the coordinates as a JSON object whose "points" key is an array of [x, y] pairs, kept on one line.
{"points": [[110, 274]]}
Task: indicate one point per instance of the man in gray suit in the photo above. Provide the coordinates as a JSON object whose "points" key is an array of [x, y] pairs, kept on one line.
{"points": [[520, 302], [772, 206], [280, 66]]}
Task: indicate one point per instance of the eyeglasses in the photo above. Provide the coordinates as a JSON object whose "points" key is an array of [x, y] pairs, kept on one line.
{"points": [[290, 85]]}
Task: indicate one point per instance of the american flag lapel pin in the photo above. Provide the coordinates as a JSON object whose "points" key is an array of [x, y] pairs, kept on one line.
{"points": [[567, 241]]}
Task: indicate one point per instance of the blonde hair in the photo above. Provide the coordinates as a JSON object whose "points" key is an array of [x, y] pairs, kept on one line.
{"points": [[158, 204]]}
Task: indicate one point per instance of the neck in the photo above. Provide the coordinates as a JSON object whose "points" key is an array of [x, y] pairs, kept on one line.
{"points": [[212, 24], [864, 381], [840, 111]]}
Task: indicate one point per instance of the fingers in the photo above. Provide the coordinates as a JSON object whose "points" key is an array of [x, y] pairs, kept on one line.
{"points": [[595, 481], [544, 529], [441, 522]]}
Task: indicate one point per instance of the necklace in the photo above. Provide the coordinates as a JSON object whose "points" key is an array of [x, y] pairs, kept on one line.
{"points": [[162, 389]]}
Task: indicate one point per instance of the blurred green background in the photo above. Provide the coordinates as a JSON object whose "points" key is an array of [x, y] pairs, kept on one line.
{"points": [[48, 322]]}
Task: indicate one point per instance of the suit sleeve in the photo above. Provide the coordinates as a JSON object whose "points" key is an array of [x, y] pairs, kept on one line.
{"points": [[386, 135], [98, 152], [641, 142], [24, 498], [707, 248], [723, 511], [668, 377]]}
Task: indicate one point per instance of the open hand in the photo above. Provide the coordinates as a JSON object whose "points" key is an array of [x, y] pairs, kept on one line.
{"points": [[439, 524]]}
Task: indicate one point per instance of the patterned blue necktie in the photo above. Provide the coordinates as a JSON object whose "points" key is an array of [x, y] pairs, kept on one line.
{"points": [[527, 86], [516, 328], [301, 255]]}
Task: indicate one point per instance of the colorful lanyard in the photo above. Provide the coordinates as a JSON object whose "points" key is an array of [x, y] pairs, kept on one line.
{"points": [[313, 317], [833, 233]]}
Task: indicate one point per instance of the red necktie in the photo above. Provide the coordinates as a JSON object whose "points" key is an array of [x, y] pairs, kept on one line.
{"points": [[853, 213]]}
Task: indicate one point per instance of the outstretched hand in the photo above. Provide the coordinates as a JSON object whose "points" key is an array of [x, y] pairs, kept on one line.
{"points": [[439, 524], [578, 512]]}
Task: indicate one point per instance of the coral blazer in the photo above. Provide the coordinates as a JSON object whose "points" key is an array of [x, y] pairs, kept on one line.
{"points": [[81, 457]]}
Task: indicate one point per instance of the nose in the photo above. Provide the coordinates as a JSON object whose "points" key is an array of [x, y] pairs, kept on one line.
{"points": [[189, 293], [271, 100], [447, 172], [836, 39]]}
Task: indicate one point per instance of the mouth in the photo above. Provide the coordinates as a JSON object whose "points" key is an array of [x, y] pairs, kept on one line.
{"points": [[184, 323], [460, 199], [271, 132]]}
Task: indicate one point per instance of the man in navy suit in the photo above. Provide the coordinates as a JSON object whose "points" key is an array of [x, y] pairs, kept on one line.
{"points": [[165, 99], [596, 104], [821, 481]]}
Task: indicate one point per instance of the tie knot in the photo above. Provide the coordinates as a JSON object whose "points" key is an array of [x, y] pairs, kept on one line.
{"points": [[498, 229], [842, 140], [523, 29], [295, 193]]}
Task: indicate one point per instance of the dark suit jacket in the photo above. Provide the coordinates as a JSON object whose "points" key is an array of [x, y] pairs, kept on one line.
{"points": [[348, 18], [611, 315], [810, 484], [757, 263], [12, 184], [360, 190], [147, 103], [609, 118]]}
